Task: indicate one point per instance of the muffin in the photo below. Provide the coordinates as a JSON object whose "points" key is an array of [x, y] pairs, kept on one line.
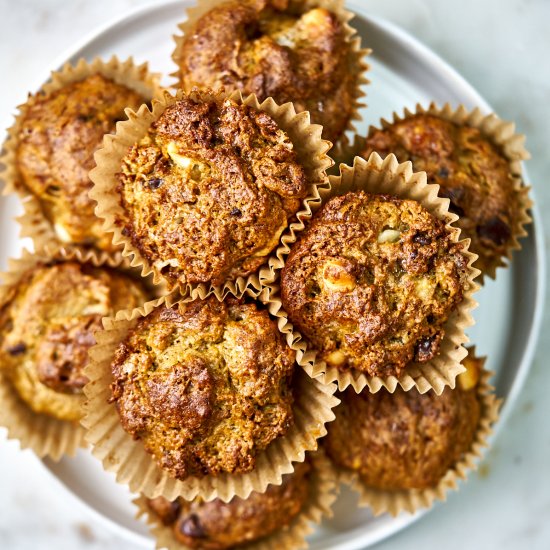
{"points": [[287, 50], [217, 525], [208, 191], [406, 440], [205, 385], [47, 325], [371, 282], [56, 137], [473, 172]]}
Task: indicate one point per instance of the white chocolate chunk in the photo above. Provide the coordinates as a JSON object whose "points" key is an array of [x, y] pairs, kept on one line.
{"points": [[389, 236], [336, 278]]}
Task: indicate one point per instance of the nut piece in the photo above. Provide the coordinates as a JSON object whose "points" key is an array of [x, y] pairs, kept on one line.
{"points": [[337, 276], [336, 358], [469, 379], [389, 236]]}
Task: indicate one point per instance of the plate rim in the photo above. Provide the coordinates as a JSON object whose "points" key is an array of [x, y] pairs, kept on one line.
{"points": [[435, 60]]}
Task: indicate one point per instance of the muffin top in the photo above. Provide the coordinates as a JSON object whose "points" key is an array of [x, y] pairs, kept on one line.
{"points": [[58, 137], [405, 440], [472, 172], [217, 525], [205, 385], [47, 323], [208, 192], [371, 282], [273, 48]]}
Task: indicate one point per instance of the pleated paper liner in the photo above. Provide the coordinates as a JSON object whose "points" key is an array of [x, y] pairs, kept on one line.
{"points": [[34, 223], [323, 489], [389, 177], [357, 57], [311, 152], [44, 434], [500, 133], [411, 500], [133, 466]]}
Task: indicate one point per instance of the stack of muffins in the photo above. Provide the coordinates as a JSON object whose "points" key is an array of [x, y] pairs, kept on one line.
{"points": [[201, 288]]}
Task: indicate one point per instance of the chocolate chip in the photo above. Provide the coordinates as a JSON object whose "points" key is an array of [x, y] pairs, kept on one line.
{"points": [[125, 231], [18, 349], [154, 183], [422, 238], [495, 230], [443, 172], [191, 527], [235, 212], [424, 350], [53, 190]]}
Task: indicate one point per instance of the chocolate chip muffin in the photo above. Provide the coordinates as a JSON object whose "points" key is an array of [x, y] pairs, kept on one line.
{"points": [[207, 193], [405, 440], [472, 172], [205, 385], [371, 282], [58, 136], [274, 48], [47, 323], [217, 525]]}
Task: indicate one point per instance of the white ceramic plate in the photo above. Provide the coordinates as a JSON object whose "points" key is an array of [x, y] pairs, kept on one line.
{"points": [[403, 73]]}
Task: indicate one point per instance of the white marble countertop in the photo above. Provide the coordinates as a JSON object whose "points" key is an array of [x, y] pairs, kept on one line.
{"points": [[501, 47]]}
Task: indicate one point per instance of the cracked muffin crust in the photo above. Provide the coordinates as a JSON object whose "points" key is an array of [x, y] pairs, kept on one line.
{"points": [[217, 525], [58, 137], [47, 323], [274, 48], [207, 193], [471, 171], [371, 282], [206, 385], [405, 440]]}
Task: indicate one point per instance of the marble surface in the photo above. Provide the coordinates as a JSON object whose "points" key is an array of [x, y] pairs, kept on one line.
{"points": [[501, 47]]}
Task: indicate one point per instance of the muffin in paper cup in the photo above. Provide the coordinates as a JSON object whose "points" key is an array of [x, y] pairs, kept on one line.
{"points": [[46, 435], [356, 59], [395, 502], [318, 504], [388, 177], [34, 221], [503, 236], [134, 466], [311, 156]]}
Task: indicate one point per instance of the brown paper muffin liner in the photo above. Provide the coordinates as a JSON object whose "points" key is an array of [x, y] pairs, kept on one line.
{"points": [[323, 490], [44, 434], [310, 148], [412, 500], [357, 59], [499, 132], [389, 177], [133, 466], [34, 223]]}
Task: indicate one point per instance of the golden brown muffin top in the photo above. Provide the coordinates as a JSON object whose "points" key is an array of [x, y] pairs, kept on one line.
{"points": [[371, 282], [47, 323], [217, 525], [206, 385], [59, 135], [209, 191], [404, 440], [273, 48], [472, 172]]}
